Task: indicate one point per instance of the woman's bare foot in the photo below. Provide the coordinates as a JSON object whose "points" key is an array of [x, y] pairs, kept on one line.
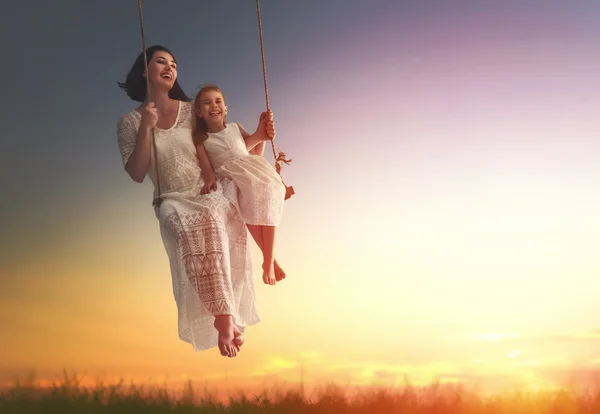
{"points": [[238, 337], [227, 338], [269, 274], [279, 273]]}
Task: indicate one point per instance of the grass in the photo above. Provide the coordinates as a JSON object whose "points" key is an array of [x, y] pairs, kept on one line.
{"points": [[69, 396]]}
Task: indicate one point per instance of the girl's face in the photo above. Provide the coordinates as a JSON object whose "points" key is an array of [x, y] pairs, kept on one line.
{"points": [[162, 69], [210, 106]]}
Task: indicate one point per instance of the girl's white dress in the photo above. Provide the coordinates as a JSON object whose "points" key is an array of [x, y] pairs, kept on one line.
{"points": [[260, 189]]}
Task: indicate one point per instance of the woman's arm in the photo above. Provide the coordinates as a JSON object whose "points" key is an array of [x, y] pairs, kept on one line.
{"points": [[135, 145], [138, 163]]}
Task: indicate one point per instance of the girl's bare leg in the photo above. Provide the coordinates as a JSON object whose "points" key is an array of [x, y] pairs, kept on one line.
{"points": [[257, 235], [268, 233]]}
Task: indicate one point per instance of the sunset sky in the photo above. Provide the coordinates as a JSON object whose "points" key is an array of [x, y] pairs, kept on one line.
{"points": [[445, 161]]}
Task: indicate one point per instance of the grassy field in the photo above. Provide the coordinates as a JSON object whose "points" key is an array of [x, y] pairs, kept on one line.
{"points": [[68, 396]]}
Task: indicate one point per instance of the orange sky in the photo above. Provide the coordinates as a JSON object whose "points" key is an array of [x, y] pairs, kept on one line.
{"points": [[445, 223]]}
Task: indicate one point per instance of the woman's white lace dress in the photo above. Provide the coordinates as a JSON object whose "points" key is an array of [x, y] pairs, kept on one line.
{"points": [[204, 235], [260, 189]]}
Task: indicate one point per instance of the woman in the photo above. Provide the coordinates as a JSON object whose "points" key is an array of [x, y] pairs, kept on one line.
{"points": [[204, 237]]}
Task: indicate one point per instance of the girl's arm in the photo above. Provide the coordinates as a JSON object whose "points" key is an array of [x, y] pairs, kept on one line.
{"points": [[208, 175], [253, 145], [259, 149]]}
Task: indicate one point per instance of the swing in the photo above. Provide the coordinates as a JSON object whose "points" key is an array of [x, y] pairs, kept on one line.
{"points": [[278, 156]]}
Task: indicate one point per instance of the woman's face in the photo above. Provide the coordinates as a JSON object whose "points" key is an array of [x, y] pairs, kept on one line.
{"points": [[162, 69]]}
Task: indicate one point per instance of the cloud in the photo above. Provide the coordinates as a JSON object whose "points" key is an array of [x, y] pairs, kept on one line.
{"points": [[590, 336], [557, 338]]}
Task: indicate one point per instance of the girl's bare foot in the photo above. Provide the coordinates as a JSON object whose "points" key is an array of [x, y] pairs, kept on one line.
{"points": [[279, 273], [269, 274], [227, 338]]}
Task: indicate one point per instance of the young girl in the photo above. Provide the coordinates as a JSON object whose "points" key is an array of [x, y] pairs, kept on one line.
{"points": [[224, 150]]}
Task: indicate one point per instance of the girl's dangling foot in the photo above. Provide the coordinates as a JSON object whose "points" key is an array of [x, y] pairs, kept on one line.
{"points": [[269, 273], [279, 273]]}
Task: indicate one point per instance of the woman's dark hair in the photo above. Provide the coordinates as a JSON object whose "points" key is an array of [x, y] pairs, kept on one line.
{"points": [[135, 83], [200, 131]]}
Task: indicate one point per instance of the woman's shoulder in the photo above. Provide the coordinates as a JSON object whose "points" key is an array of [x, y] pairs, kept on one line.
{"points": [[186, 114], [129, 118], [187, 107]]}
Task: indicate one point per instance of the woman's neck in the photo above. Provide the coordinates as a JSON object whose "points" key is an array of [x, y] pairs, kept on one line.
{"points": [[160, 98]]}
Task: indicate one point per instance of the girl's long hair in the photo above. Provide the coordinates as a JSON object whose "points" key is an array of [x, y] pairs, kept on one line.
{"points": [[200, 132]]}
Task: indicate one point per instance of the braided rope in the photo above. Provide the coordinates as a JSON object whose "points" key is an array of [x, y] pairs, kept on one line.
{"points": [[278, 157], [157, 200]]}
